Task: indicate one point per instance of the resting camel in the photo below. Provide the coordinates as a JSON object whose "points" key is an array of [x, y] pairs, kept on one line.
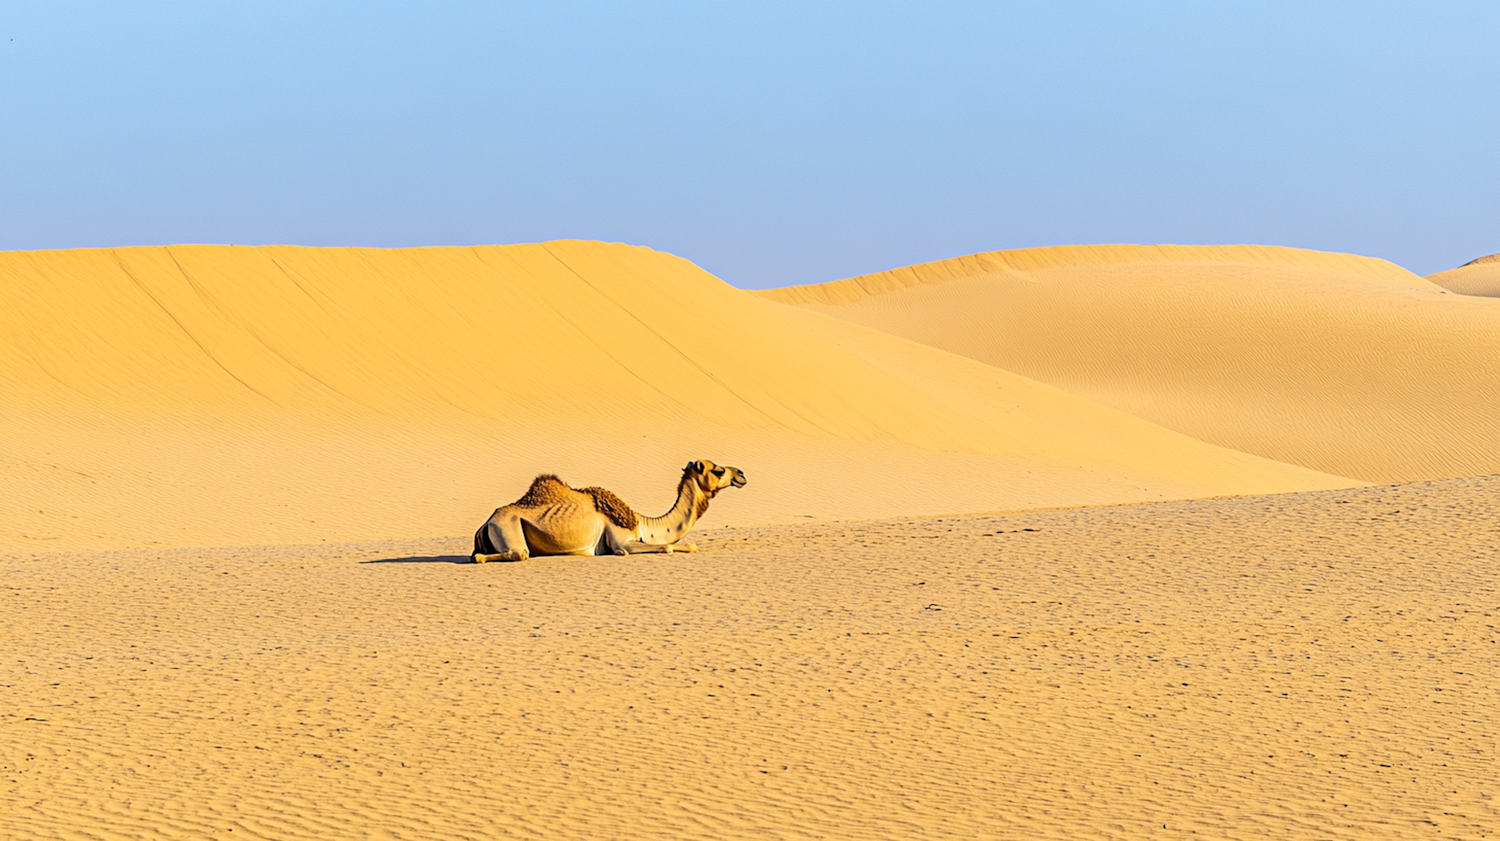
{"points": [[554, 519]]}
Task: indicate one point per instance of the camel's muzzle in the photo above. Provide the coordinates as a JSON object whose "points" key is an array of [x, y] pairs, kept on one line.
{"points": [[739, 479]]}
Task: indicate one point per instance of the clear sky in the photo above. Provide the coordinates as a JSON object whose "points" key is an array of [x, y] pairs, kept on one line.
{"points": [[770, 143]]}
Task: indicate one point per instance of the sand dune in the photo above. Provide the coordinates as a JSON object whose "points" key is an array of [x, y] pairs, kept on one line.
{"points": [[1314, 665], [1477, 277], [211, 395], [1344, 364], [833, 664]]}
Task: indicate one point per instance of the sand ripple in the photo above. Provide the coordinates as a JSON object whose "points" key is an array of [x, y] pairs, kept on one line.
{"points": [[1318, 665]]}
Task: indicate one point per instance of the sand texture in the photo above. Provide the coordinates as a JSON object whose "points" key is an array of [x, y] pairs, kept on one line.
{"points": [[1343, 364], [1316, 665], [215, 395], [239, 486], [1476, 277]]}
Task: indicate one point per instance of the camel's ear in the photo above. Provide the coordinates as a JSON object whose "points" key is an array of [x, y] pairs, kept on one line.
{"points": [[698, 466]]}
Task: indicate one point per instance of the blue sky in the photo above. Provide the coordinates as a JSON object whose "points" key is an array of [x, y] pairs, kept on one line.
{"points": [[771, 144]]}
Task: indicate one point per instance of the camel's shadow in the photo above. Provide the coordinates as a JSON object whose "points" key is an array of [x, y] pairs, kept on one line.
{"points": [[423, 559]]}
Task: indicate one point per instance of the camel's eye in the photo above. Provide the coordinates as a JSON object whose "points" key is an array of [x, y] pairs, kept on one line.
{"points": [[719, 471]]}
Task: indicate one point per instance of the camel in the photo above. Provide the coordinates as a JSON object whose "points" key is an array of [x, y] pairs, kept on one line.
{"points": [[554, 519]]}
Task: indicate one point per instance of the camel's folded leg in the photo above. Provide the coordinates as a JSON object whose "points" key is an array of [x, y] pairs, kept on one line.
{"points": [[504, 539], [646, 548], [669, 548], [617, 540]]}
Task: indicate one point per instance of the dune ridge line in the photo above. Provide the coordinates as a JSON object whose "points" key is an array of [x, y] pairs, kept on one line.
{"points": [[1349, 365], [209, 395]]}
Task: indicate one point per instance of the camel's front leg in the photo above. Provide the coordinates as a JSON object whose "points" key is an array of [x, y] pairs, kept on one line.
{"points": [[501, 539], [617, 540], [667, 548]]}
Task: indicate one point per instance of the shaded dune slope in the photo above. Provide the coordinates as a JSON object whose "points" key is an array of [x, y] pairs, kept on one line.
{"points": [[1339, 363], [214, 395], [1477, 277]]}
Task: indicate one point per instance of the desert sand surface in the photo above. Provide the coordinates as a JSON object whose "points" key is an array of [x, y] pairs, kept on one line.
{"points": [[240, 484], [1344, 364], [1476, 277], [219, 395], [1313, 665]]}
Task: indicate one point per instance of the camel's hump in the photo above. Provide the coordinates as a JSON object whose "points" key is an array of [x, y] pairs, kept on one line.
{"points": [[611, 506], [548, 489], [545, 490]]}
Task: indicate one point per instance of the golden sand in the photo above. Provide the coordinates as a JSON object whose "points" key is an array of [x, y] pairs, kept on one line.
{"points": [[213, 395], [230, 610], [1319, 665], [1344, 364], [1476, 277]]}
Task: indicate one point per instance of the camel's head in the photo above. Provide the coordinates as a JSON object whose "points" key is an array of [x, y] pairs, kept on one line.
{"points": [[713, 478]]}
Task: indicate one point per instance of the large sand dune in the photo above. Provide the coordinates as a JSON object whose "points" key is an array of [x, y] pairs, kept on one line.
{"points": [[210, 395], [1292, 665], [1477, 277], [1345, 364]]}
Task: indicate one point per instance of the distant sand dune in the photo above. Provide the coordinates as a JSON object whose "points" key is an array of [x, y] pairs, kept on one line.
{"points": [[1339, 363], [214, 395], [1476, 277]]}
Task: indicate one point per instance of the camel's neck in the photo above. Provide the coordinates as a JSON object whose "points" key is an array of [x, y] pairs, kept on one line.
{"points": [[692, 501]]}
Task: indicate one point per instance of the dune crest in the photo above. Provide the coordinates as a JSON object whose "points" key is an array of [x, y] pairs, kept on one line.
{"points": [[1344, 364], [1479, 277], [1025, 260], [216, 395]]}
